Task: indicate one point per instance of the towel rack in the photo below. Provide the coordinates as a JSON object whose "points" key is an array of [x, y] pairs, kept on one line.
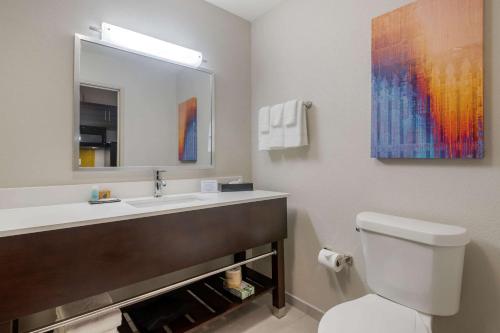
{"points": [[308, 104], [146, 296]]}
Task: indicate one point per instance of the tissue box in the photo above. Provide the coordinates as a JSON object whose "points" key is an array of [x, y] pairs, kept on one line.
{"points": [[236, 187], [244, 291], [208, 186]]}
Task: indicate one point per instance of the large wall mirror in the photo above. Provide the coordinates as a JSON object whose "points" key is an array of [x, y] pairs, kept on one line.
{"points": [[132, 110]]}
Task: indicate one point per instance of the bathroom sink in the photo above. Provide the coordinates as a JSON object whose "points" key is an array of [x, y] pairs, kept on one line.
{"points": [[166, 201]]}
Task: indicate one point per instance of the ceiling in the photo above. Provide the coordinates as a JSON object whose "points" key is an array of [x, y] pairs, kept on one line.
{"points": [[247, 9]]}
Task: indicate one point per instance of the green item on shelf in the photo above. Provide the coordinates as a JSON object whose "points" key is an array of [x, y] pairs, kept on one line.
{"points": [[244, 291]]}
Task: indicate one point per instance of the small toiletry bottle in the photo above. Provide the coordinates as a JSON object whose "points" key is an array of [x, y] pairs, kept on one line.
{"points": [[94, 193], [104, 194]]}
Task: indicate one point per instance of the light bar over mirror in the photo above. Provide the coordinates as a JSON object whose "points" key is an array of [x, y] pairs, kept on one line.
{"points": [[150, 46]]}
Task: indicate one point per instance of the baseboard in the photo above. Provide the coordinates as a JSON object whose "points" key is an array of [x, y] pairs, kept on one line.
{"points": [[303, 306]]}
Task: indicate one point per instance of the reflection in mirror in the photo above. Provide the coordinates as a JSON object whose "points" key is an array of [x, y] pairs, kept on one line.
{"points": [[98, 126], [139, 111]]}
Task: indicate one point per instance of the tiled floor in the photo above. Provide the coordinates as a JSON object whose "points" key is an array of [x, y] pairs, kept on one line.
{"points": [[256, 317]]}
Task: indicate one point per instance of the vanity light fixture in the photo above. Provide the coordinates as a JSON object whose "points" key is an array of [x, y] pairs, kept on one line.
{"points": [[150, 46]]}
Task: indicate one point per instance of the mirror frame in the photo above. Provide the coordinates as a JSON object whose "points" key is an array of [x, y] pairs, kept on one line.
{"points": [[76, 111]]}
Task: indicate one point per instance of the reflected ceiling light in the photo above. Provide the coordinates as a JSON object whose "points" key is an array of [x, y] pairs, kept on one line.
{"points": [[150, 46]]}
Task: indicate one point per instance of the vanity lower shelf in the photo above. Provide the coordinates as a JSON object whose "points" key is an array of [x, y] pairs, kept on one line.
{"points": [[191, 306]]}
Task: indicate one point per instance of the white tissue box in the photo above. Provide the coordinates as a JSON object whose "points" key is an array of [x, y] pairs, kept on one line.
{"points": [[209, 186]]}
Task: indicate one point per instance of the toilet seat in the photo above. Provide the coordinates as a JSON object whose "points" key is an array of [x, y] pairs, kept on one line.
{"points": [[374, 314]]}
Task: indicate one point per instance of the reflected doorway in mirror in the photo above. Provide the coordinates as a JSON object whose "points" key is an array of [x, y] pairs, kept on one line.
{"points": [[99, 126]]}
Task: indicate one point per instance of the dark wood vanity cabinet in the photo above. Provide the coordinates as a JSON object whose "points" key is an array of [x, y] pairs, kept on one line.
{"points": [[43, 270]]}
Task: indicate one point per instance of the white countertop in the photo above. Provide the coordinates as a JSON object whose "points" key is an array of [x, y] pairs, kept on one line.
{"points": [[19, 221]]}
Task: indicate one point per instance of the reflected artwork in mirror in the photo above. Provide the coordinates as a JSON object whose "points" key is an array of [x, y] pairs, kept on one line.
{"points": [[136, 111], [187, 130]]}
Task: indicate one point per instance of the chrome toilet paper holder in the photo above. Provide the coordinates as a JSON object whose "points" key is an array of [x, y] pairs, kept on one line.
{"points": [[343, 258]]}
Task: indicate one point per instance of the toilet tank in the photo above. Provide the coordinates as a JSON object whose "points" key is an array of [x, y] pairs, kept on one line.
{"points": [[415, 263]]}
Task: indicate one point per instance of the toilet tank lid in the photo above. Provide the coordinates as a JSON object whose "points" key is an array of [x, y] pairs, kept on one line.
{"points": [[435, 234]]}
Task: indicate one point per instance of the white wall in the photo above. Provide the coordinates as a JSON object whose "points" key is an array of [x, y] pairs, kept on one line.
{"points": [[320, 50], [36, 85]]}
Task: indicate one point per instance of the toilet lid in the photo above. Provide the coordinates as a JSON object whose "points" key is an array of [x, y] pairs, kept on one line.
{"points": [[373, 314]]}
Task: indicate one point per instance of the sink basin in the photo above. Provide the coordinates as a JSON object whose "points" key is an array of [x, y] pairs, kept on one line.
{"points": [[166, 201]]}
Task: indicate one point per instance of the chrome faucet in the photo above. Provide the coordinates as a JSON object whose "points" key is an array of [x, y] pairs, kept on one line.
{"points": [[160, 183]]}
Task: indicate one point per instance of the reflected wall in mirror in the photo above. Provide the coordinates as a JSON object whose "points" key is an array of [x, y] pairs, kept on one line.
{"points": [[137, 111]]}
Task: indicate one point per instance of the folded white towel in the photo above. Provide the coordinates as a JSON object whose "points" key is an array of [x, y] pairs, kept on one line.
{"points": [[291, 113], [102, 324], [296, 135], [264, 121], [277, 132], [277, 115], [264, 128]]}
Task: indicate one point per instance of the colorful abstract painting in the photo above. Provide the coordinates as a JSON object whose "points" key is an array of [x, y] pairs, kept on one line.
{"points": [[188, 147], [427, 81]]}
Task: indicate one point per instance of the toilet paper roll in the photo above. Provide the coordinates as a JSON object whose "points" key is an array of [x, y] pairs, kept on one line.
{"points": [[331, 260]]}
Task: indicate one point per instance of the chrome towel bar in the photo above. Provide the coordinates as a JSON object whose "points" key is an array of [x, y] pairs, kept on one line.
{"points": [[146, 296]]}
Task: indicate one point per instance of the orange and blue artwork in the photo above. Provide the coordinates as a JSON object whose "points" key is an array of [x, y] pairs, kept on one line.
{"points": [[427, 81], [188, 146]]}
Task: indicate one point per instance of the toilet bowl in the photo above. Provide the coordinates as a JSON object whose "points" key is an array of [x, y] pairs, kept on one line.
{"points": [[374, 314], [415, 270]]}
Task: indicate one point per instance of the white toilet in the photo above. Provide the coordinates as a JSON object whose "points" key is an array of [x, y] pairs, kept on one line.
{"points": [[415, 269]]}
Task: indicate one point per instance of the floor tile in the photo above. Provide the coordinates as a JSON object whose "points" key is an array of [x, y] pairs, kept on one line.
{"points": [[257, 317]]}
